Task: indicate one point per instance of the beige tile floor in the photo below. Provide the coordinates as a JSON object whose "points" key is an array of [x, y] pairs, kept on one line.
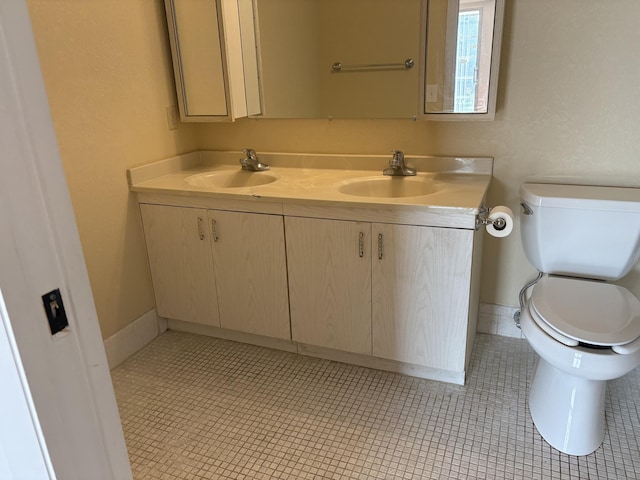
{"points": [[194, 407]]}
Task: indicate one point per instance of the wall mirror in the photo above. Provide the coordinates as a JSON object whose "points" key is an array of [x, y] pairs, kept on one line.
{"points": [[368, 41], [421, 59], [463, 40]]}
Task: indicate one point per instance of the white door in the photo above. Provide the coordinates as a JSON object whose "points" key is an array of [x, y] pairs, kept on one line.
{"points": [[66, 375], [24, 452]]}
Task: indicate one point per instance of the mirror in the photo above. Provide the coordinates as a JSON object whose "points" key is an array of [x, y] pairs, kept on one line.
{"points": [[200, 62], [427, 59], [370, 58], [300, 40], [461, 65], [213, 49]]}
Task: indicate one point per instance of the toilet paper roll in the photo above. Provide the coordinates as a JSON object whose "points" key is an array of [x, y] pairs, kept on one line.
{"points": [[504, 224]]}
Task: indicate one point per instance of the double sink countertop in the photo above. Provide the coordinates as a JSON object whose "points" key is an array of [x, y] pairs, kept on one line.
{"points": [[447, 191]]}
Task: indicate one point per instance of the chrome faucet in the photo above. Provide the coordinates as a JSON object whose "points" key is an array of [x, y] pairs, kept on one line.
{"points": [[397, 167], [250, 161]]}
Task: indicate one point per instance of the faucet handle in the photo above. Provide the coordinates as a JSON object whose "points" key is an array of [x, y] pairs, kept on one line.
{"points": [[251, 162], [250, 153], [398, 157]]}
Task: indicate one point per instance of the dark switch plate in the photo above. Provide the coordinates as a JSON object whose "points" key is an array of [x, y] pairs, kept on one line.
{"points": [[54, 308]]}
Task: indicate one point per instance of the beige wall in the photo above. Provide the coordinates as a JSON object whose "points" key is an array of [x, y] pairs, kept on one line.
{"points": [[569, 103], [108, 76]]}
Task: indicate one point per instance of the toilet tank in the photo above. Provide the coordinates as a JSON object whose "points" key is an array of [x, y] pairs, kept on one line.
{"points": [[581, 231]]}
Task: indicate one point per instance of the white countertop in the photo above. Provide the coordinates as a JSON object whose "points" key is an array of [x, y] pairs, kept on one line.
{"points": [[314, 181]]}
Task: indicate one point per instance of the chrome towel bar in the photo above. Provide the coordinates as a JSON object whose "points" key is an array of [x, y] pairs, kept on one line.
{"points": [[338, 67]]}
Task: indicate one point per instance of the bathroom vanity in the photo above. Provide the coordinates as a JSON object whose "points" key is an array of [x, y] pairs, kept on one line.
{"points": [[320, 255]]}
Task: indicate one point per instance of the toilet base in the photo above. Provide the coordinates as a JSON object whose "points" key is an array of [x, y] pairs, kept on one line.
{"points": [[568, 411]]}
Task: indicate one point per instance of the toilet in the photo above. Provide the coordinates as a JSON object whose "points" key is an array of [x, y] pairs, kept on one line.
{"points": [[585, 331]]}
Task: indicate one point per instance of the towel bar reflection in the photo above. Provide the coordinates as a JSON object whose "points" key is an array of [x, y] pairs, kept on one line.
{"points": [[338, 67]]}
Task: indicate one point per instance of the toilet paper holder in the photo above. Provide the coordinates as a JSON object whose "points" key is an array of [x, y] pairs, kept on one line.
{"points": [[482, 220]]}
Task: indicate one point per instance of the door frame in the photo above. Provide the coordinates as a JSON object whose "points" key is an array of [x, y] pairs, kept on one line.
{"points": [[66, 375]]}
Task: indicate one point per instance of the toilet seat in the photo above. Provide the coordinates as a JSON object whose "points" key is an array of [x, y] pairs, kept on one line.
{"points": [[577, 311]]}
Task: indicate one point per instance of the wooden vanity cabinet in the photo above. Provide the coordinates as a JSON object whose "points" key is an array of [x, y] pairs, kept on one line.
{"points": [[329, 264], [390, 296], [421, 278], [397, 292], [219, 268], [181, 262], [251, 272]]}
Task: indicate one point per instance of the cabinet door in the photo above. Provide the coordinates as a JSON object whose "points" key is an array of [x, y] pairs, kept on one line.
{"points": [[420, 290], [181, 263], [251, 272], [329, 264], [213, 47]]}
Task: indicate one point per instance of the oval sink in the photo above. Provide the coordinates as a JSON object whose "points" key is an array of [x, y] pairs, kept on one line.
{"points": [[389, 187], [230, 179]]}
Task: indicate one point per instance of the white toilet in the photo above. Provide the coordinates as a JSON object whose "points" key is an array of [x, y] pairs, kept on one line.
{"points": [[586, 331]]}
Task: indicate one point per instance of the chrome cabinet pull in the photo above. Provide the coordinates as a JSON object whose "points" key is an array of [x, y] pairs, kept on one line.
{"points": [[214, 233], [379, 246], [361, 245], [200, 230]]}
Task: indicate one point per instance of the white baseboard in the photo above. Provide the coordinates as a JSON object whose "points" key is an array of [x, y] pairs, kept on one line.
{"points": [[131, 338], [223, 333], [492, 319], [163, 324], [320, 352], [498, 320], [368, 361]]}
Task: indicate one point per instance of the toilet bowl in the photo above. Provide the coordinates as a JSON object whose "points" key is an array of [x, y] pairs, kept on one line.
{"points": [[567, 392], [584, 330]]}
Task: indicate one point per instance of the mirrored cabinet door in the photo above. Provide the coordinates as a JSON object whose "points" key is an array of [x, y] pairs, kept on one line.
{"points": [[463, 40], [207, 45]]}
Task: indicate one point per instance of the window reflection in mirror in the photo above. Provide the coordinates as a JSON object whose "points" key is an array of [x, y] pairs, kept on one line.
{"points": [[460, 50]]}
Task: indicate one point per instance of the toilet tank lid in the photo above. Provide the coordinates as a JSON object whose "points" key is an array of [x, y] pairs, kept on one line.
{"points": [[592, 197]]}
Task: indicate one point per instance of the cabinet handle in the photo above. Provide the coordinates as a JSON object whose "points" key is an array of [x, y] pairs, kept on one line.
{"points": [[200, 230], [214, 233], [361, 245], [379, 246]]}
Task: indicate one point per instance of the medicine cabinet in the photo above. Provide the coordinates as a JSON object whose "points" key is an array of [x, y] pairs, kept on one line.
{"points": [[420, 59]]}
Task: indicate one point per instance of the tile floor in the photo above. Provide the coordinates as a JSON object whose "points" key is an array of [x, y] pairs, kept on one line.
{"points": [[195, 407]]}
